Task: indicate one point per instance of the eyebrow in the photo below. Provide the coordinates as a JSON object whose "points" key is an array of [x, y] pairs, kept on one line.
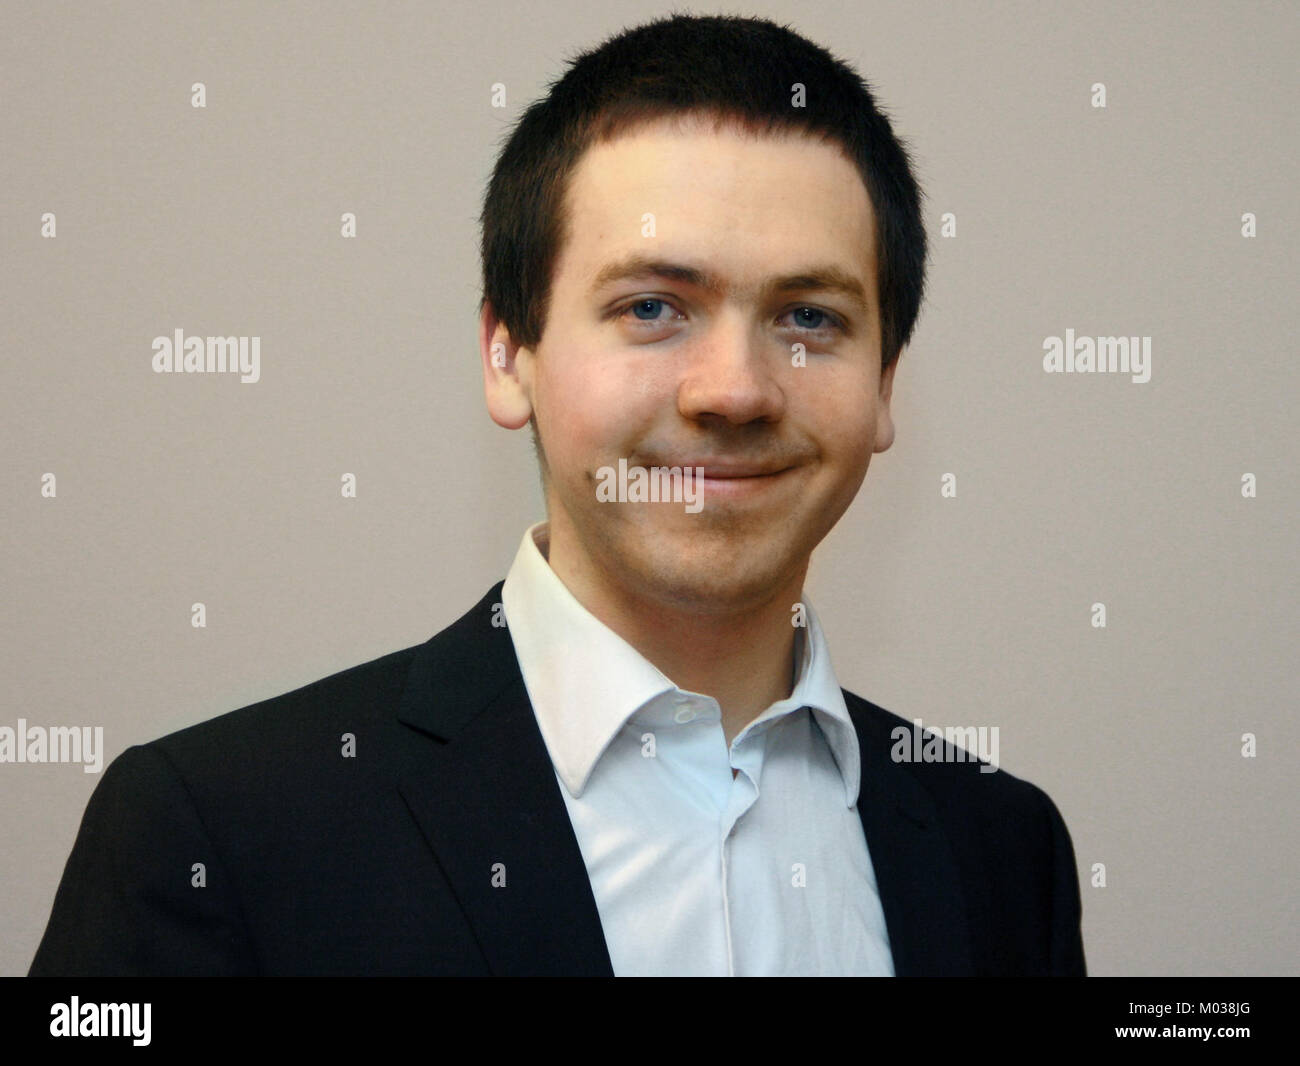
{"points": [[828, 278]]}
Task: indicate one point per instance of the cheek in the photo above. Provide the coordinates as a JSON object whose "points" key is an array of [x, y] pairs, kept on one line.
{"points": [[584, 411], [596, 408], [852, 451], [848, 436], [844, 408]]}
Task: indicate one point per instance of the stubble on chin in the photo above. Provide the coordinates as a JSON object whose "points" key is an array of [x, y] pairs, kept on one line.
{"points": [[706, 579]]}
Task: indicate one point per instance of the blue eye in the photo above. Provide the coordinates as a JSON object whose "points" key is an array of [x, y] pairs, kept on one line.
{"points": [[647, 310], [816, 311], [640, 306]]}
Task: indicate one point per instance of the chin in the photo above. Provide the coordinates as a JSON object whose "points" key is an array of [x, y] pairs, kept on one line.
{"points": [[703, 584]]}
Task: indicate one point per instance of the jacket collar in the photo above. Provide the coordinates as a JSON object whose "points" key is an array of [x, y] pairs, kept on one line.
{"points": [[917, 874], [480, 784], [570, 659]]}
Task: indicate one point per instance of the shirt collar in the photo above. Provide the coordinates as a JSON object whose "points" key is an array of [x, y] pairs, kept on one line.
{"points": [[585, 681]]}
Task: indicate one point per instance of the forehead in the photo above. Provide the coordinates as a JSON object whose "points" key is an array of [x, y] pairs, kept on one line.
{"points": [[748, 203]]}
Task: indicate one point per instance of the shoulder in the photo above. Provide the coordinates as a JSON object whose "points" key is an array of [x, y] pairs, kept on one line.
{"points": [[353, 697], [1014, 863], [263, 754], [964, 788]]}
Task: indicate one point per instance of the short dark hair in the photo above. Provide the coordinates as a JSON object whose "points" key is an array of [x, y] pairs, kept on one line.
{"points": [[743, 70]]}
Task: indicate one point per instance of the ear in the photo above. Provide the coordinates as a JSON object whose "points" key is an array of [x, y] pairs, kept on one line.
{"points": [[507, 390], [885, 420]]}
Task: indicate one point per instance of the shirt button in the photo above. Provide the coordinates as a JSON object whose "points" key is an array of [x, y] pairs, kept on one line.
{"points": [[686, 714]]}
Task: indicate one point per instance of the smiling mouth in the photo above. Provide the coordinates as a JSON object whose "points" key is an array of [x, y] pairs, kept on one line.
{"points": [[737, 486], [724, 471], [713, 476], [726, 480]]}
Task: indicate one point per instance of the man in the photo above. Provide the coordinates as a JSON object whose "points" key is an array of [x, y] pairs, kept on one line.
{"points": [[703, 256]]}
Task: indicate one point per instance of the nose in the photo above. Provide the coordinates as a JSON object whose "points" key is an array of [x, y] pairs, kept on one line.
{"points": [[732, 374]]}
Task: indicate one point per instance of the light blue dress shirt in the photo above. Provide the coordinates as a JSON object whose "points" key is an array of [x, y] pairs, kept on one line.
{"points": [[696, 871]]}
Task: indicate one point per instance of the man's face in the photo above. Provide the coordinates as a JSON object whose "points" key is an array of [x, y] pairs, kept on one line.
{"points": [[661, 370]]}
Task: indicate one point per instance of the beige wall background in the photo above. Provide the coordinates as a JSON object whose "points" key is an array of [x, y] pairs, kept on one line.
{"points": [[1072, 489]]}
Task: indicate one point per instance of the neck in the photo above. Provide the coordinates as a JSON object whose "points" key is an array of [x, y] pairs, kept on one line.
{"points": [[743, 658]]}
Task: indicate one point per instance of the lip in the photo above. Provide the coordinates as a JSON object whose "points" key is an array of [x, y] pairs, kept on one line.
{"points": [[723, 471], [740, 487], [735, 482]]}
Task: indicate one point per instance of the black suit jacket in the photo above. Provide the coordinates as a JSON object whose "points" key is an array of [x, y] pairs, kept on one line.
{"points": [[383, 863]]}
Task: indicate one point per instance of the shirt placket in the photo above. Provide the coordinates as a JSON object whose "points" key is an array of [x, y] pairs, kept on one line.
{"points": [[742, 794]]}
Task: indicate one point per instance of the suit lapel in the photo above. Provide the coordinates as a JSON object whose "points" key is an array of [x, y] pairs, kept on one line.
{"points": [[479, 782], [916, 873]]}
